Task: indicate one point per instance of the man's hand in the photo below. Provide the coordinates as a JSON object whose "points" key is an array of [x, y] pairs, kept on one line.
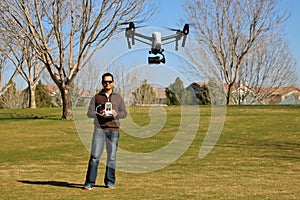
{"points": [[114, 113], [102, 113]]}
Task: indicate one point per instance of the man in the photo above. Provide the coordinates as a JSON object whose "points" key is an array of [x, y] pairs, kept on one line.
{"points": [[106, 108]]}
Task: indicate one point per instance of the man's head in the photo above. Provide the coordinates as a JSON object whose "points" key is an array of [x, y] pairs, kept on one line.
{"points": [[108, 81]]}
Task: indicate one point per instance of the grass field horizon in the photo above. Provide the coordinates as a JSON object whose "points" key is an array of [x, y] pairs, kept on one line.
{"points": [[256, 157]]}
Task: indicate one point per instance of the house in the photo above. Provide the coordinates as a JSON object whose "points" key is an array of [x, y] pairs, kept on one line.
{"points": [[285, 95], [160, 95], [265, 95], [80, 96]]}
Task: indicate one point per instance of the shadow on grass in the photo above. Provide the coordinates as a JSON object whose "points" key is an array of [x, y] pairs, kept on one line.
{"points": [[22, 114], [55, 183], [29, 117]]}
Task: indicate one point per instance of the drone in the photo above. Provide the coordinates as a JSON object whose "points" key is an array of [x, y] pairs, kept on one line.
{"points": [[155, 41]]}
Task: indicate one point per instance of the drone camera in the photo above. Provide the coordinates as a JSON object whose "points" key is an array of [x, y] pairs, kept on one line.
{"points": [[156, 51], [156, 60]]}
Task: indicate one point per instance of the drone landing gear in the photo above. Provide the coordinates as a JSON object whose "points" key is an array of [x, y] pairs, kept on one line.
{"points": [[156, 59]]}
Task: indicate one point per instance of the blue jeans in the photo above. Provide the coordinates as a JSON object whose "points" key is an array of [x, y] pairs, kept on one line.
{"points": [[100, 138]]}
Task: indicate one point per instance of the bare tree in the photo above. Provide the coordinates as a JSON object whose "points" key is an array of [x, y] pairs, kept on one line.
{"points": [[85, 84], [268, 67], [24, 59], [66, 34], [2, 65], [127, 81], [3, 68], [88, 80], [12, 98], [227, 31]]}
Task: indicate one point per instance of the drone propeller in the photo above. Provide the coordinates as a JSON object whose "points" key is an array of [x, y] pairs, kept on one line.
{"points": [[185, 29], [133, 22], [173, 29], [139, 27], [131, 26]]}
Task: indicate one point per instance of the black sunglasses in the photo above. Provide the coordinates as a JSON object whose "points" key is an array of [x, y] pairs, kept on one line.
{"points": [[107, 82]]}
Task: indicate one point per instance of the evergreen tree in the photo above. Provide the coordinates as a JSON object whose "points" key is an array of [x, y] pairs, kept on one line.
{"points": [[200, 93], [42, 97], [177, 94], [172, 98], [144, 94]]}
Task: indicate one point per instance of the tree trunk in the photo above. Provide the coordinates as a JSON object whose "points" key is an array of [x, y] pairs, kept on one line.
{"points": [[1, 76], [66, 102], [229, 93], [32, 102]]}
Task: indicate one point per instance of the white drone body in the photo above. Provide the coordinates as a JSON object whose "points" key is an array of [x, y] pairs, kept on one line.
{"points": [[156, 40]]}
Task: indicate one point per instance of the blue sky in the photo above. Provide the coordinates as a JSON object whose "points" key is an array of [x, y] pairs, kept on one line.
{"points": [[170, 12], [293, 28]]}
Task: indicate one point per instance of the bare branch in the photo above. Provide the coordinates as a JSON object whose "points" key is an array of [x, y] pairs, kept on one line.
{"points": [[228, 31]]}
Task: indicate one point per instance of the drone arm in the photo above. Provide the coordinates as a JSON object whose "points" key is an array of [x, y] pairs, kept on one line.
{"points": [[183, 40], [142, 41], [143, 36], [169, 42], [174, 36], [132, 39], [128, 42]]}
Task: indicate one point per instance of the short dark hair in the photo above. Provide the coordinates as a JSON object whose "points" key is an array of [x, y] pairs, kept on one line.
{"points": [[107, 74]]}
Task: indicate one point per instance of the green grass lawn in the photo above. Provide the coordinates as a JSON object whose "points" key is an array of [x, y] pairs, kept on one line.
{"points": [[256, 157]]}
